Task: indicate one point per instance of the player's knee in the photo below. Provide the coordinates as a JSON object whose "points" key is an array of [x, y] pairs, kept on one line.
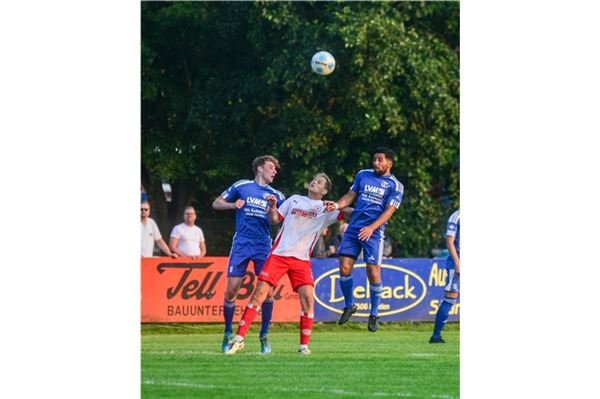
{"points": [[230, 295], [346, 265], [345, 270]]}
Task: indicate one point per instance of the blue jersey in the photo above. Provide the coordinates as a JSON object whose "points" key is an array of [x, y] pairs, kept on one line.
{"points": [[252, 220], [375, 193], [453, 230]]}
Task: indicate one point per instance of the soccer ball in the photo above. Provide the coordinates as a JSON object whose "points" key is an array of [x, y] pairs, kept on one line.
{"points": [[322, 63]]}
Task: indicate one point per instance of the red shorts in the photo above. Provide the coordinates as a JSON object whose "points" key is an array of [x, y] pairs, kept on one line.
{"points": [[298, 271]]}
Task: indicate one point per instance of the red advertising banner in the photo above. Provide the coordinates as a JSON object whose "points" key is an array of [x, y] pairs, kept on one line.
{"points": [[187, 290]]}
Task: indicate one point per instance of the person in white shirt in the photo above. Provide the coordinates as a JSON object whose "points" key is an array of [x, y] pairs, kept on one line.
{"points": [[187, 239], [151, 234], [303, 217]]}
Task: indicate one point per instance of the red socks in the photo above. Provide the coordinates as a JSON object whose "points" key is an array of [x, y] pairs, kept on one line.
{"points": [[247, 318], [306, 323]]}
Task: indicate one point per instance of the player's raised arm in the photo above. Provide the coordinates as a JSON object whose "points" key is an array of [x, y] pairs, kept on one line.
{"points": [[343, 202], [220, 204]]}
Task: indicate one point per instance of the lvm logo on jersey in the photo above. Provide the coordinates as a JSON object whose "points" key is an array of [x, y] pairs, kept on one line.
{"points": [[257, 201], [374, 189]]}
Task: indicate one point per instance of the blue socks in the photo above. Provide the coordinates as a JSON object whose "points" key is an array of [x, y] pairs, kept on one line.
{"points": [[228, 310], [375, 290], [346, 285], [441, 318], [267, 313]]}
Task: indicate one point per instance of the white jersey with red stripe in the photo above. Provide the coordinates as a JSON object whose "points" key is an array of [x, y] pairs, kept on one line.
{"points": [[303, 220]]}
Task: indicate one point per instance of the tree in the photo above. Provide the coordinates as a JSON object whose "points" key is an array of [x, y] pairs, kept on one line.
{"points": [[225, 82]]}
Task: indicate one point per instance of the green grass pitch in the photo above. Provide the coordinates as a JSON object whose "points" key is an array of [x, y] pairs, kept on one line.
{"points": [[185, 361]]}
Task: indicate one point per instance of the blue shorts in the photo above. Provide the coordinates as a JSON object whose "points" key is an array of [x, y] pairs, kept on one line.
{"points": [[453, 281], [244, 250], [372, 249], [453, 287]]}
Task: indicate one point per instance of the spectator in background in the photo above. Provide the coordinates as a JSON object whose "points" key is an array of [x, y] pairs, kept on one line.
{"points": [[151, 234], [336, 240], [187, 239]]}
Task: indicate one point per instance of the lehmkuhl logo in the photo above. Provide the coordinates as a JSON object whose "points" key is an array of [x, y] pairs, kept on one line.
{"points": [[402, 290]]}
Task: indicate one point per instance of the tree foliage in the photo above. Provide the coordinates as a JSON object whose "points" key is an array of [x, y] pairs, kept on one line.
{"points": [[224, 82]]}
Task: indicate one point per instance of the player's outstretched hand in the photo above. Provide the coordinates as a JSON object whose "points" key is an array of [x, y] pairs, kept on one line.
{"points": [[330, 205], [365, 233], [239, 203]]}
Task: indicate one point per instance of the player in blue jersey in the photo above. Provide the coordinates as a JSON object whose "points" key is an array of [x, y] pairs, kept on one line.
{"points": [[252, 239], [379, 194], [453, 268]]}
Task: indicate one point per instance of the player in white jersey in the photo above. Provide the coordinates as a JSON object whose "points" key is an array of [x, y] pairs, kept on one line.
{"points": [[303, 217]]}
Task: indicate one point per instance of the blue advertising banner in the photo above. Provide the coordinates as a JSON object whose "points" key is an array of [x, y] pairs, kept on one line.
{"points": [[412, 290]]}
